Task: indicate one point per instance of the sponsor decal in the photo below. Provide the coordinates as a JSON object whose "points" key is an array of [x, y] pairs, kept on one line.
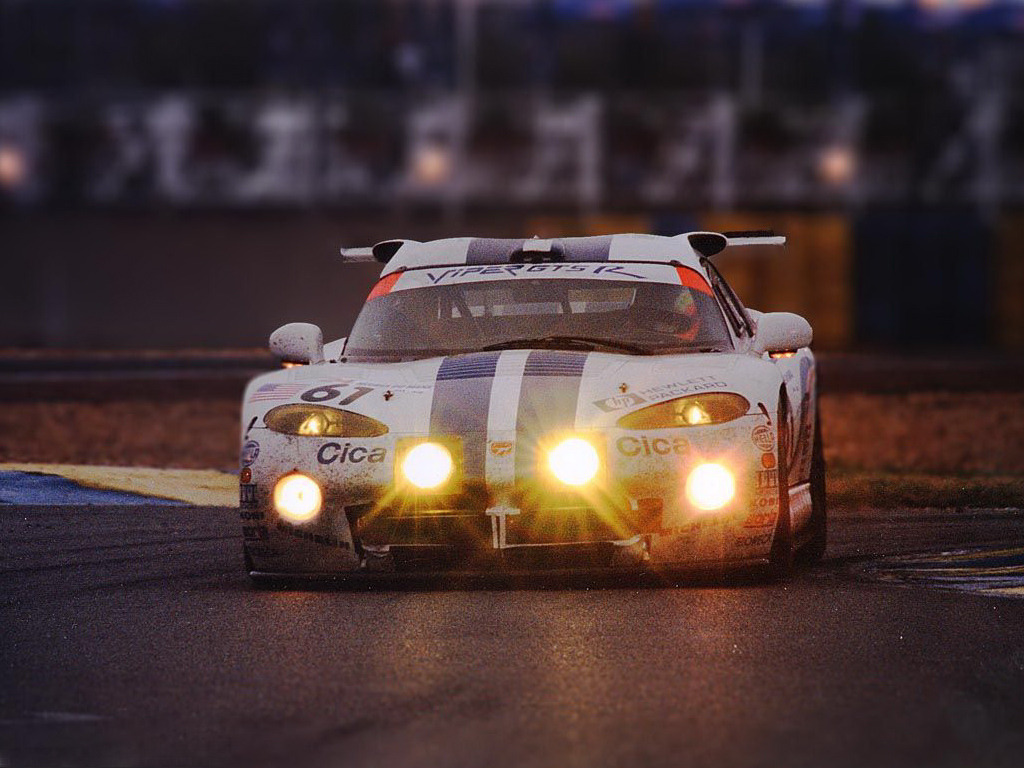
{"points": [[767, 478], [247, 495], [679, 388], [532, 270], [317, 538], [648, 446], [695, 526], [768, 460], [255, 533], [250, 514], [760, 520], [284, 391], [767, 501], [250, 451], [501, 447], [763, 438], [331, 453], [618, 402], [756, 540]]}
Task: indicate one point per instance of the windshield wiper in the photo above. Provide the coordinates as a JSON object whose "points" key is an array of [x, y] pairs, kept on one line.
{"points": [[568, 342]]}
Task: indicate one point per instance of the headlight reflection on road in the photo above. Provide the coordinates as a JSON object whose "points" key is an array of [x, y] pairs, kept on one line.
{"points": [[710, 486]]}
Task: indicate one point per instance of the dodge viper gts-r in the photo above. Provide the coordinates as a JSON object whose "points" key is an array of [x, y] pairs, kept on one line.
{"points": [[576, 402]]}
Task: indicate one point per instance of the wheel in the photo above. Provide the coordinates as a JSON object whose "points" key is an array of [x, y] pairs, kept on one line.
{"points": [[780, 558], [814, 549]]}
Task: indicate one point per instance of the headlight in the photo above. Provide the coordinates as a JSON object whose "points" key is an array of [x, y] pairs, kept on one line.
{"points": [[574, 461], [428, 465], [321, 421], [689, 411], [710, 486], [297, 498]]}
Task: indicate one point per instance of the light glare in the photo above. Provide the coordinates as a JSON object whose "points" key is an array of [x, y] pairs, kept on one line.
{"points": [[574, 461], [297, 498], [696, 415], [428, 465], [710, 486], [313, 426]]}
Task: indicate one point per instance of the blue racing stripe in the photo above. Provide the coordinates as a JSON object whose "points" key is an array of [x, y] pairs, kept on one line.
{"points": [[543, 362], [547, 402], [462, 401], [473, 366]]}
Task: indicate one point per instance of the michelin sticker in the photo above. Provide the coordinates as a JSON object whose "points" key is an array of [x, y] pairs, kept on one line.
{"points": [[762, 438], [250, 451]]}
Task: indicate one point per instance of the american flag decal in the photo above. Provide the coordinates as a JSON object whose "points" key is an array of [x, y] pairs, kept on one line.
{"points": [[277, 392]]}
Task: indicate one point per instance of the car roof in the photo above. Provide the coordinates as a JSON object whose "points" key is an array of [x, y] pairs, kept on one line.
{"points": [[472, 251]]}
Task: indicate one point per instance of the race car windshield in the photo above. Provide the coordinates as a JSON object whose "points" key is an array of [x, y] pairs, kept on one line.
{"points": [[604, 315]]}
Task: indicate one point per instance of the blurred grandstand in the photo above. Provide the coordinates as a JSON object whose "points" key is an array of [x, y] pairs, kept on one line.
{"points": [[889, 134]]}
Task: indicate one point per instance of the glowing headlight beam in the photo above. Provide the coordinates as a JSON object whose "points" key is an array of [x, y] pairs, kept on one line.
{"points": [[428, 465], [297, 498], [710, 487], [313, 425], [574, 461]]}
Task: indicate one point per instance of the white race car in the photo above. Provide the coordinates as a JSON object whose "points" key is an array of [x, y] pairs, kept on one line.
{"points": [[579, 402]]}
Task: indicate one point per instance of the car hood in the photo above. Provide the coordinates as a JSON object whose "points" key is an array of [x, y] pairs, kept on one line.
{"points": [[531, 390]]}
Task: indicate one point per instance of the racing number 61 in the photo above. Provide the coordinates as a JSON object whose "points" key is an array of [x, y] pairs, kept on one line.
{"points": [[331, 391]]}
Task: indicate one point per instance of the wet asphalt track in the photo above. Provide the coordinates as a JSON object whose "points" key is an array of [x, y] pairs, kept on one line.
{"points": [[129, 636]]}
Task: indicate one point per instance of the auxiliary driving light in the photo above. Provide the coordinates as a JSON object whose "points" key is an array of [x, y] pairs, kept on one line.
{"points": [[710, 486], [574, 461], [297, 498], [428, 465]]}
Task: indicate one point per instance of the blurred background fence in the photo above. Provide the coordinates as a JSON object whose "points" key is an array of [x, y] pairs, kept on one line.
{"points": [[180, 172]]}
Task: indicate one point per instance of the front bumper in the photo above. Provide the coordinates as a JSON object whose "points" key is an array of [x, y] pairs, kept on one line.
{"points": [[635, 516]]}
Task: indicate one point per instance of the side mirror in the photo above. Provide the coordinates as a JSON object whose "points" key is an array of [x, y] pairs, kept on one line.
{"points": [[781, 332], [333, 350], [298, 343]]}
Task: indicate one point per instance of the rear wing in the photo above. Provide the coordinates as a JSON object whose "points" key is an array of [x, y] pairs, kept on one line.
{"points": [[707, 244], [754, 237], [380, 253]]}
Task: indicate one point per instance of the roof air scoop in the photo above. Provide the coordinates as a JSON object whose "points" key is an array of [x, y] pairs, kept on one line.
{"points": [[538, 251]]}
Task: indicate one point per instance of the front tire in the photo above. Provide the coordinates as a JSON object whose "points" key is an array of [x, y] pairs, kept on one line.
{"points": [[814, 549], [780, 557]]}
